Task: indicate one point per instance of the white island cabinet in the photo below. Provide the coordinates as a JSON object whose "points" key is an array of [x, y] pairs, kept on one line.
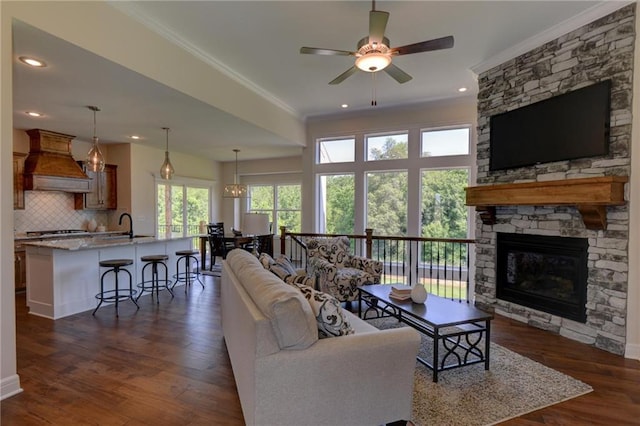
{"points": [[63, 276]]}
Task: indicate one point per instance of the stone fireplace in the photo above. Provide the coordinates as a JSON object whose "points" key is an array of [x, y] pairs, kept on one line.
{"points": [[546, 273], [603, 49]]}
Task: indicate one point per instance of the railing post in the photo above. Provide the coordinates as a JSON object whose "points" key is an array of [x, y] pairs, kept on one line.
{"points": [[283, 233], [369, 243]]}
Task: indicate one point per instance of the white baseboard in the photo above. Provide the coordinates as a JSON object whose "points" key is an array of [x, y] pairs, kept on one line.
{"points": [[632, 351], [10, 386]]}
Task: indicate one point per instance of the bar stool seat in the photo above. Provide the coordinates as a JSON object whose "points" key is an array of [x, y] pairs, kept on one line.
{"points": [[186, 275], [153, 284], [116, 294]]}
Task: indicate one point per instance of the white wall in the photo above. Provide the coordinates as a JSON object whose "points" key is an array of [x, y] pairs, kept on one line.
{"points": [[632, 349], [9, 380]]}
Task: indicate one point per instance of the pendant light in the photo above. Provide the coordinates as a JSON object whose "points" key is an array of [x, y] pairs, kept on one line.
{"points": [[235, 189], [166, 170], [95, 159]]}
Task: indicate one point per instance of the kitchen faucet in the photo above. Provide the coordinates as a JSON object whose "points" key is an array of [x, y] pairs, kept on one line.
{"points": [[130, 223]]}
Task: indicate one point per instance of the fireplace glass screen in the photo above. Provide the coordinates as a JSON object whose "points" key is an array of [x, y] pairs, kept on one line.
{"points": [[544, 273]]}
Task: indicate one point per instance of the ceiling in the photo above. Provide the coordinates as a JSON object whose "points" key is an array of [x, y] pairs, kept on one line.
{"points": [[257, 43]]}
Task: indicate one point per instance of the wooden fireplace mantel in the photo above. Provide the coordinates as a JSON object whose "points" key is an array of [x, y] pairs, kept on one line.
{"points": [[590, 195]]}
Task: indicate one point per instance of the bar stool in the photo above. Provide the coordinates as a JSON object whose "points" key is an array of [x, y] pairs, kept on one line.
{"points": [[187, 276], [116, 294], [154, 261]]}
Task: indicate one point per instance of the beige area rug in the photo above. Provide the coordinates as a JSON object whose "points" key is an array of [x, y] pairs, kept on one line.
{"points": [[471, 396]]}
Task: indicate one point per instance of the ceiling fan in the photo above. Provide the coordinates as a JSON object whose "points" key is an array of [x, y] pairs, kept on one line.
{"points": [[374, 53]]}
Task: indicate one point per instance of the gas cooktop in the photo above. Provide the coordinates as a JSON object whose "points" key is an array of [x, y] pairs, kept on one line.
{"points": [[55, 232]]}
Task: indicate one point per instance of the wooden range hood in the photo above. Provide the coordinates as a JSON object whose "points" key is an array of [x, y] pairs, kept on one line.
{"points": [[50, 166], [591, 196]]}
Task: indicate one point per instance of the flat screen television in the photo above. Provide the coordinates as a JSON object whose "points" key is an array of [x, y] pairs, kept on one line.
{"points": [[564, 127]]}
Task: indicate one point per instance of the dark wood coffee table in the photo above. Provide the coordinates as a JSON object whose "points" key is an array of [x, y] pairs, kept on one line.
{"points": [[459, 326]]}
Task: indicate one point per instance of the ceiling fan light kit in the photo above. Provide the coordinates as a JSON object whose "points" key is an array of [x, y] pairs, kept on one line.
{"points": [[373, 62], [374, 53]]}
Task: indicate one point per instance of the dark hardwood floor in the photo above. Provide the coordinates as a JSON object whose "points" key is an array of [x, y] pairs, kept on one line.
{"points": [[167, 364]]}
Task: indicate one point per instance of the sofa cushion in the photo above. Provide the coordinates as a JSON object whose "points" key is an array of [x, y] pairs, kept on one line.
{"points": [[330, 317], [291, 316]]}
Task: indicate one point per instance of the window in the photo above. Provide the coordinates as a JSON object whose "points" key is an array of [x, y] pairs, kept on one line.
{"points": [[440, 143], [336, 206], [387, 202], [282, 202], [402, 182], [336, 150], [387, 147], [181, 208], [443, 211]]}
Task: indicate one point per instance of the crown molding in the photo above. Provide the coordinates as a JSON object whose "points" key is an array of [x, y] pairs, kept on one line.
{"points": [[593, 13], [134, 12]]}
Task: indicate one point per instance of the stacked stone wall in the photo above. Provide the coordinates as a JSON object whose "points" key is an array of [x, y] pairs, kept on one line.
{"points": [[595, 52]]}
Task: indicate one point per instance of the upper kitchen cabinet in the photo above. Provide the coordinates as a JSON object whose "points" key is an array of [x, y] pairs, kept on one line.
{"points": [[18, 180], [103, 193]]}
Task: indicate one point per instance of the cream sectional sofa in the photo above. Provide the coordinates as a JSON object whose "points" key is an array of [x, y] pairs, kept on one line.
{"points": [[285, 375]]}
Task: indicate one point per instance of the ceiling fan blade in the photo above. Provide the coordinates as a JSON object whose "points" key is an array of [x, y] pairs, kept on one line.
{"points": [[319, 51], [342, 77], [397, 74], [377, 25], [424, 46]]}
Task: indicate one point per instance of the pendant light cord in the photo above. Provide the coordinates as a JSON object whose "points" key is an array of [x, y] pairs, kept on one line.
{"points": [[235, 176], [374, 101], [94, 109]]}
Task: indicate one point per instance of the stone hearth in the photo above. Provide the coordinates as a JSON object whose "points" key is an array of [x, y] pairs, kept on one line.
{"points": [[603, 49]]}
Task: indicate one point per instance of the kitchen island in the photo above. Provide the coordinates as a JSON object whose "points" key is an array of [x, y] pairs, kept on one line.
{"points": [[63, 276]]}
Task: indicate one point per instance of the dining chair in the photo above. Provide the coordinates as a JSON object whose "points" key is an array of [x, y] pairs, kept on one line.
{"points": [[218, 247]]}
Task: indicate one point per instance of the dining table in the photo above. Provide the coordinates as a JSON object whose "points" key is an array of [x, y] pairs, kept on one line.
{"points": [[237, 240]]}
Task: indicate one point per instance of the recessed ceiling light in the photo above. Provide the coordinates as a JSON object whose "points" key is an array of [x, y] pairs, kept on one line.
{"points": [[462, 89], [136, 137], [32, 61], [344, 106], [34, 114]]}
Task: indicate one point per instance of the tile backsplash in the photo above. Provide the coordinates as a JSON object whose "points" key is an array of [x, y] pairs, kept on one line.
{"points": [[46, 210]]}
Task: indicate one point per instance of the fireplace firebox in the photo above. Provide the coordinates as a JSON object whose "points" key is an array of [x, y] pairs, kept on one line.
{"points": [[545, 273]]}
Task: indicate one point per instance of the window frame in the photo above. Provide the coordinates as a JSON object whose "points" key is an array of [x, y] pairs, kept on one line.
{"points": [[444, 128], [184, 183], [273, 212], [415, 163], [318, 153], [383, 134]]}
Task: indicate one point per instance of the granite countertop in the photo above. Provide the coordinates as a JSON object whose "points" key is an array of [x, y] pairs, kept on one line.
{"points": [[22, 236], [88, 243]]}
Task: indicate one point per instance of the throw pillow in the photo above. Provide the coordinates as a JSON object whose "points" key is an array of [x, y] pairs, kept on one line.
{"points": [[328, 312], [284, 262], [266, 260], [302, 280]]}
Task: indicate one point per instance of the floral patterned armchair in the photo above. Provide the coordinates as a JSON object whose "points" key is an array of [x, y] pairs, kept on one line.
{"points": [[337, 271]]}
